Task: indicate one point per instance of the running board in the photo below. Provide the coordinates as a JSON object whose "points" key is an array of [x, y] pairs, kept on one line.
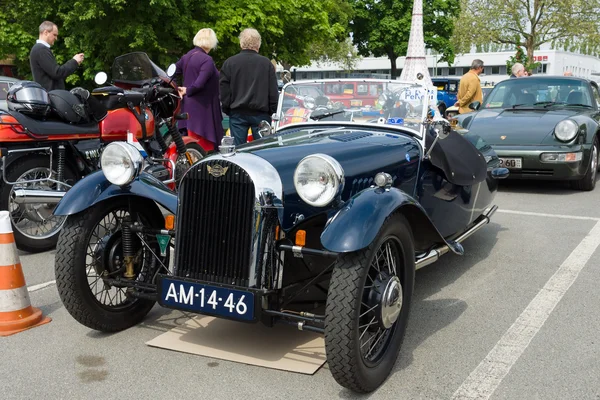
{"points": [[435, 254]]}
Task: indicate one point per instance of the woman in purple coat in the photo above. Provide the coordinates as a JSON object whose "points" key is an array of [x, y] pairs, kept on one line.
{"points": [[200, 91]]}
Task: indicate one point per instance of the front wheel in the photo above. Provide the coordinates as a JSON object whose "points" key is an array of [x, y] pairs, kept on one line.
{"points": [[588, 182], [368, 303], [90, 249]]}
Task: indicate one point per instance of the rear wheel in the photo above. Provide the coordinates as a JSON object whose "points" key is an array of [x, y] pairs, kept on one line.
{"points": [[368, 303], [588, 182], [34, 225], [90, 248]]}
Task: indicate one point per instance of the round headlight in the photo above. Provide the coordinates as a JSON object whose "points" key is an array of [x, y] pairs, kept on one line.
{"points": [[309, 102], [318, 179], [121, 163], [566, 130]]}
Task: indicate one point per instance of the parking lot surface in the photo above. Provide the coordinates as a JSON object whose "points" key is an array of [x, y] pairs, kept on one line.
{"points": [[516, 317]]}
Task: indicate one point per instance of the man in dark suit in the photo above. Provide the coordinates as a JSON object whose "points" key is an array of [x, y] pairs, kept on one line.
{"points": [[248, 87], [44, 67]]}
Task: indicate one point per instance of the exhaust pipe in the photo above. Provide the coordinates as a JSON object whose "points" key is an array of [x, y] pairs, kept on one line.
{"points": [[33, 196], [436, 253]]}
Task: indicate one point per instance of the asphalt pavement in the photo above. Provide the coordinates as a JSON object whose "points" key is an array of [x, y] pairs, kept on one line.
{"points": [[516, 317]]}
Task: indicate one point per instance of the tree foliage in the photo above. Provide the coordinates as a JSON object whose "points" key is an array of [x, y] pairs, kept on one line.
{"points": [[520, 57], [571, 24], [382, 27], [293, 31]]}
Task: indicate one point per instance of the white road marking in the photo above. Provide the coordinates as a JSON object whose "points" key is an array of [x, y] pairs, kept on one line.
{"points": [[40, 286], [547, 215], [488, 375]]}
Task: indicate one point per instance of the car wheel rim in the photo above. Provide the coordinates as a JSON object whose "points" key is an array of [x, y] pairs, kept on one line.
{"points": [[103, 259], [34, 221], [381, 303]]}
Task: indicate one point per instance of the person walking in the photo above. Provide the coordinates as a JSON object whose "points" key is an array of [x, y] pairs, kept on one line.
{"points": [[469, 88], [200, 91], [44, 67], [248, 87]]}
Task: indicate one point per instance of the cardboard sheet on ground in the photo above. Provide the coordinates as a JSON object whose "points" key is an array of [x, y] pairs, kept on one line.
{"points": [[281, 347]]}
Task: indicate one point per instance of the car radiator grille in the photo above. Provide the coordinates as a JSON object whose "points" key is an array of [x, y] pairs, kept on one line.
{"points": [[214, 225]]}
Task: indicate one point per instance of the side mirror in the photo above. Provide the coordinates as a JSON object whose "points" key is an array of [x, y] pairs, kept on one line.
{"points": [[100, 78], [171, 70], [475, 105], [442, 128], [264, 128]]}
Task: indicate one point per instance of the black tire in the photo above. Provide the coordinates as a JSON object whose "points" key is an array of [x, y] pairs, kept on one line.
{"points": [[345, 299], [24, 241], [588, 182], [71, 267]]}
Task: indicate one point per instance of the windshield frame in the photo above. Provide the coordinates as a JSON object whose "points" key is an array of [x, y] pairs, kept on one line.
{"points": [[154, 70]]}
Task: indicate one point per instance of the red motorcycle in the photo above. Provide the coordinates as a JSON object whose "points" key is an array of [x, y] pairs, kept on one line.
{"points": [[50, 140]]}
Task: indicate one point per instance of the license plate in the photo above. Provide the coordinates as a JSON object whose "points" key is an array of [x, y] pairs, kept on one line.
{"points": [[510, 163], [206, 299]]}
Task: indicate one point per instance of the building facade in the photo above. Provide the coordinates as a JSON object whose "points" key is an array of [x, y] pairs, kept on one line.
{"points": [[553, 62]]}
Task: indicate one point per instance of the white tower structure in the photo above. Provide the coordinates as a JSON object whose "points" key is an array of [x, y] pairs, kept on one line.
{"points": [[416, 62]]}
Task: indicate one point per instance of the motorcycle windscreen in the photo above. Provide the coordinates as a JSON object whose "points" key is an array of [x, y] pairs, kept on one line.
{"points": [[135, 68]]}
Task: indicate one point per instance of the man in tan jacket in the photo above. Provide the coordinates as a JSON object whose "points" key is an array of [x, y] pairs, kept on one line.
{"points": [[469, 88]]}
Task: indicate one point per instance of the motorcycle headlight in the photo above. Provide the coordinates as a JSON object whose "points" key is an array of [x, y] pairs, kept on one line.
{"points": [[566, 130], [309, 102], [318, 179], [121, 163]]}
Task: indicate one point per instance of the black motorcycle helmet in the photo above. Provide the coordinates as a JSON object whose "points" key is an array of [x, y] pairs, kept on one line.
{"points": [[30, 98]]}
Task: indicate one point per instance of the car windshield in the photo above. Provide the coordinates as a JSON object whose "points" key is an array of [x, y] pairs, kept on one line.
{"points": [[135, 68], [539, 92], [360, 101]]}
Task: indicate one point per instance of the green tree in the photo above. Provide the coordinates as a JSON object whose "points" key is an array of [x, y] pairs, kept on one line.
{"points": [[529, 24], [382, 27], [521, 58], [292, 31]]}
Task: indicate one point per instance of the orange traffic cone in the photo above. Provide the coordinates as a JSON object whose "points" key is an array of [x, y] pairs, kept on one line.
{"points": [[16, 312]]}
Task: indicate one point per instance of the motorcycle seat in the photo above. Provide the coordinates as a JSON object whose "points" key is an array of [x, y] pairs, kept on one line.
{"points": [[49, 128]]}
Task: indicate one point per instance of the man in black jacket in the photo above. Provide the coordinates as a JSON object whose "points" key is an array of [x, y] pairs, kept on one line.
{"points": [[44, 68], [248, 87]]}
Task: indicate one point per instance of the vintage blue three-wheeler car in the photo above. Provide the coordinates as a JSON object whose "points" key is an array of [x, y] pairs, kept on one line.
{"points": [[319, 224]]}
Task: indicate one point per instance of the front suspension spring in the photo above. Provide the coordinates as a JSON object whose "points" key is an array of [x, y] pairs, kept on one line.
{"points": [[127, 245], [60, 169]]}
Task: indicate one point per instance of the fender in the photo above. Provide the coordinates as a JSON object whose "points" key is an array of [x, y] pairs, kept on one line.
{"points": [[357, 224], [171, 153], [97, 189]]}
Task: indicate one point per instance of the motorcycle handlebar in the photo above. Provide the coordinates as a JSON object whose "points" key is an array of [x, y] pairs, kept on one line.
{"points": [[162, 90]]}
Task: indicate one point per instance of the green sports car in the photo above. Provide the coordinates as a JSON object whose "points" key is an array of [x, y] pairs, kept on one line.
{"points": [[541, 127]]}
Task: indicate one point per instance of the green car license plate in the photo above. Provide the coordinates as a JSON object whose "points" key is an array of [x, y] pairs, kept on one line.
{"points": [[511, 162]]}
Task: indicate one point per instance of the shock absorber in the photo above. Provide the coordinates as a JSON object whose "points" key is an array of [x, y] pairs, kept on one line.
{"points": [[160, 139], [127, 246], [61, 165]]}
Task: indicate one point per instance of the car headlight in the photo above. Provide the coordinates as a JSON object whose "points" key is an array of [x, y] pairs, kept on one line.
{"points": [[121, 163], [318, 179], [309, 102], [566, 130]]}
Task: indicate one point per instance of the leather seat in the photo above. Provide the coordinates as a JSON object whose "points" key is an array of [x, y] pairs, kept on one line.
{"points": [[49, 128], [575, 98]]}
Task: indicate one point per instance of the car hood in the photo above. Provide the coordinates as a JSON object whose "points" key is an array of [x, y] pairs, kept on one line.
{"points": [[359, 151], [516, 127]]}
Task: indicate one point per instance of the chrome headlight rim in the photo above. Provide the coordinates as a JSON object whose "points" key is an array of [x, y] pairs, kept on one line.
{"points": [[132, 158], [563, 136], [338, 173]]}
